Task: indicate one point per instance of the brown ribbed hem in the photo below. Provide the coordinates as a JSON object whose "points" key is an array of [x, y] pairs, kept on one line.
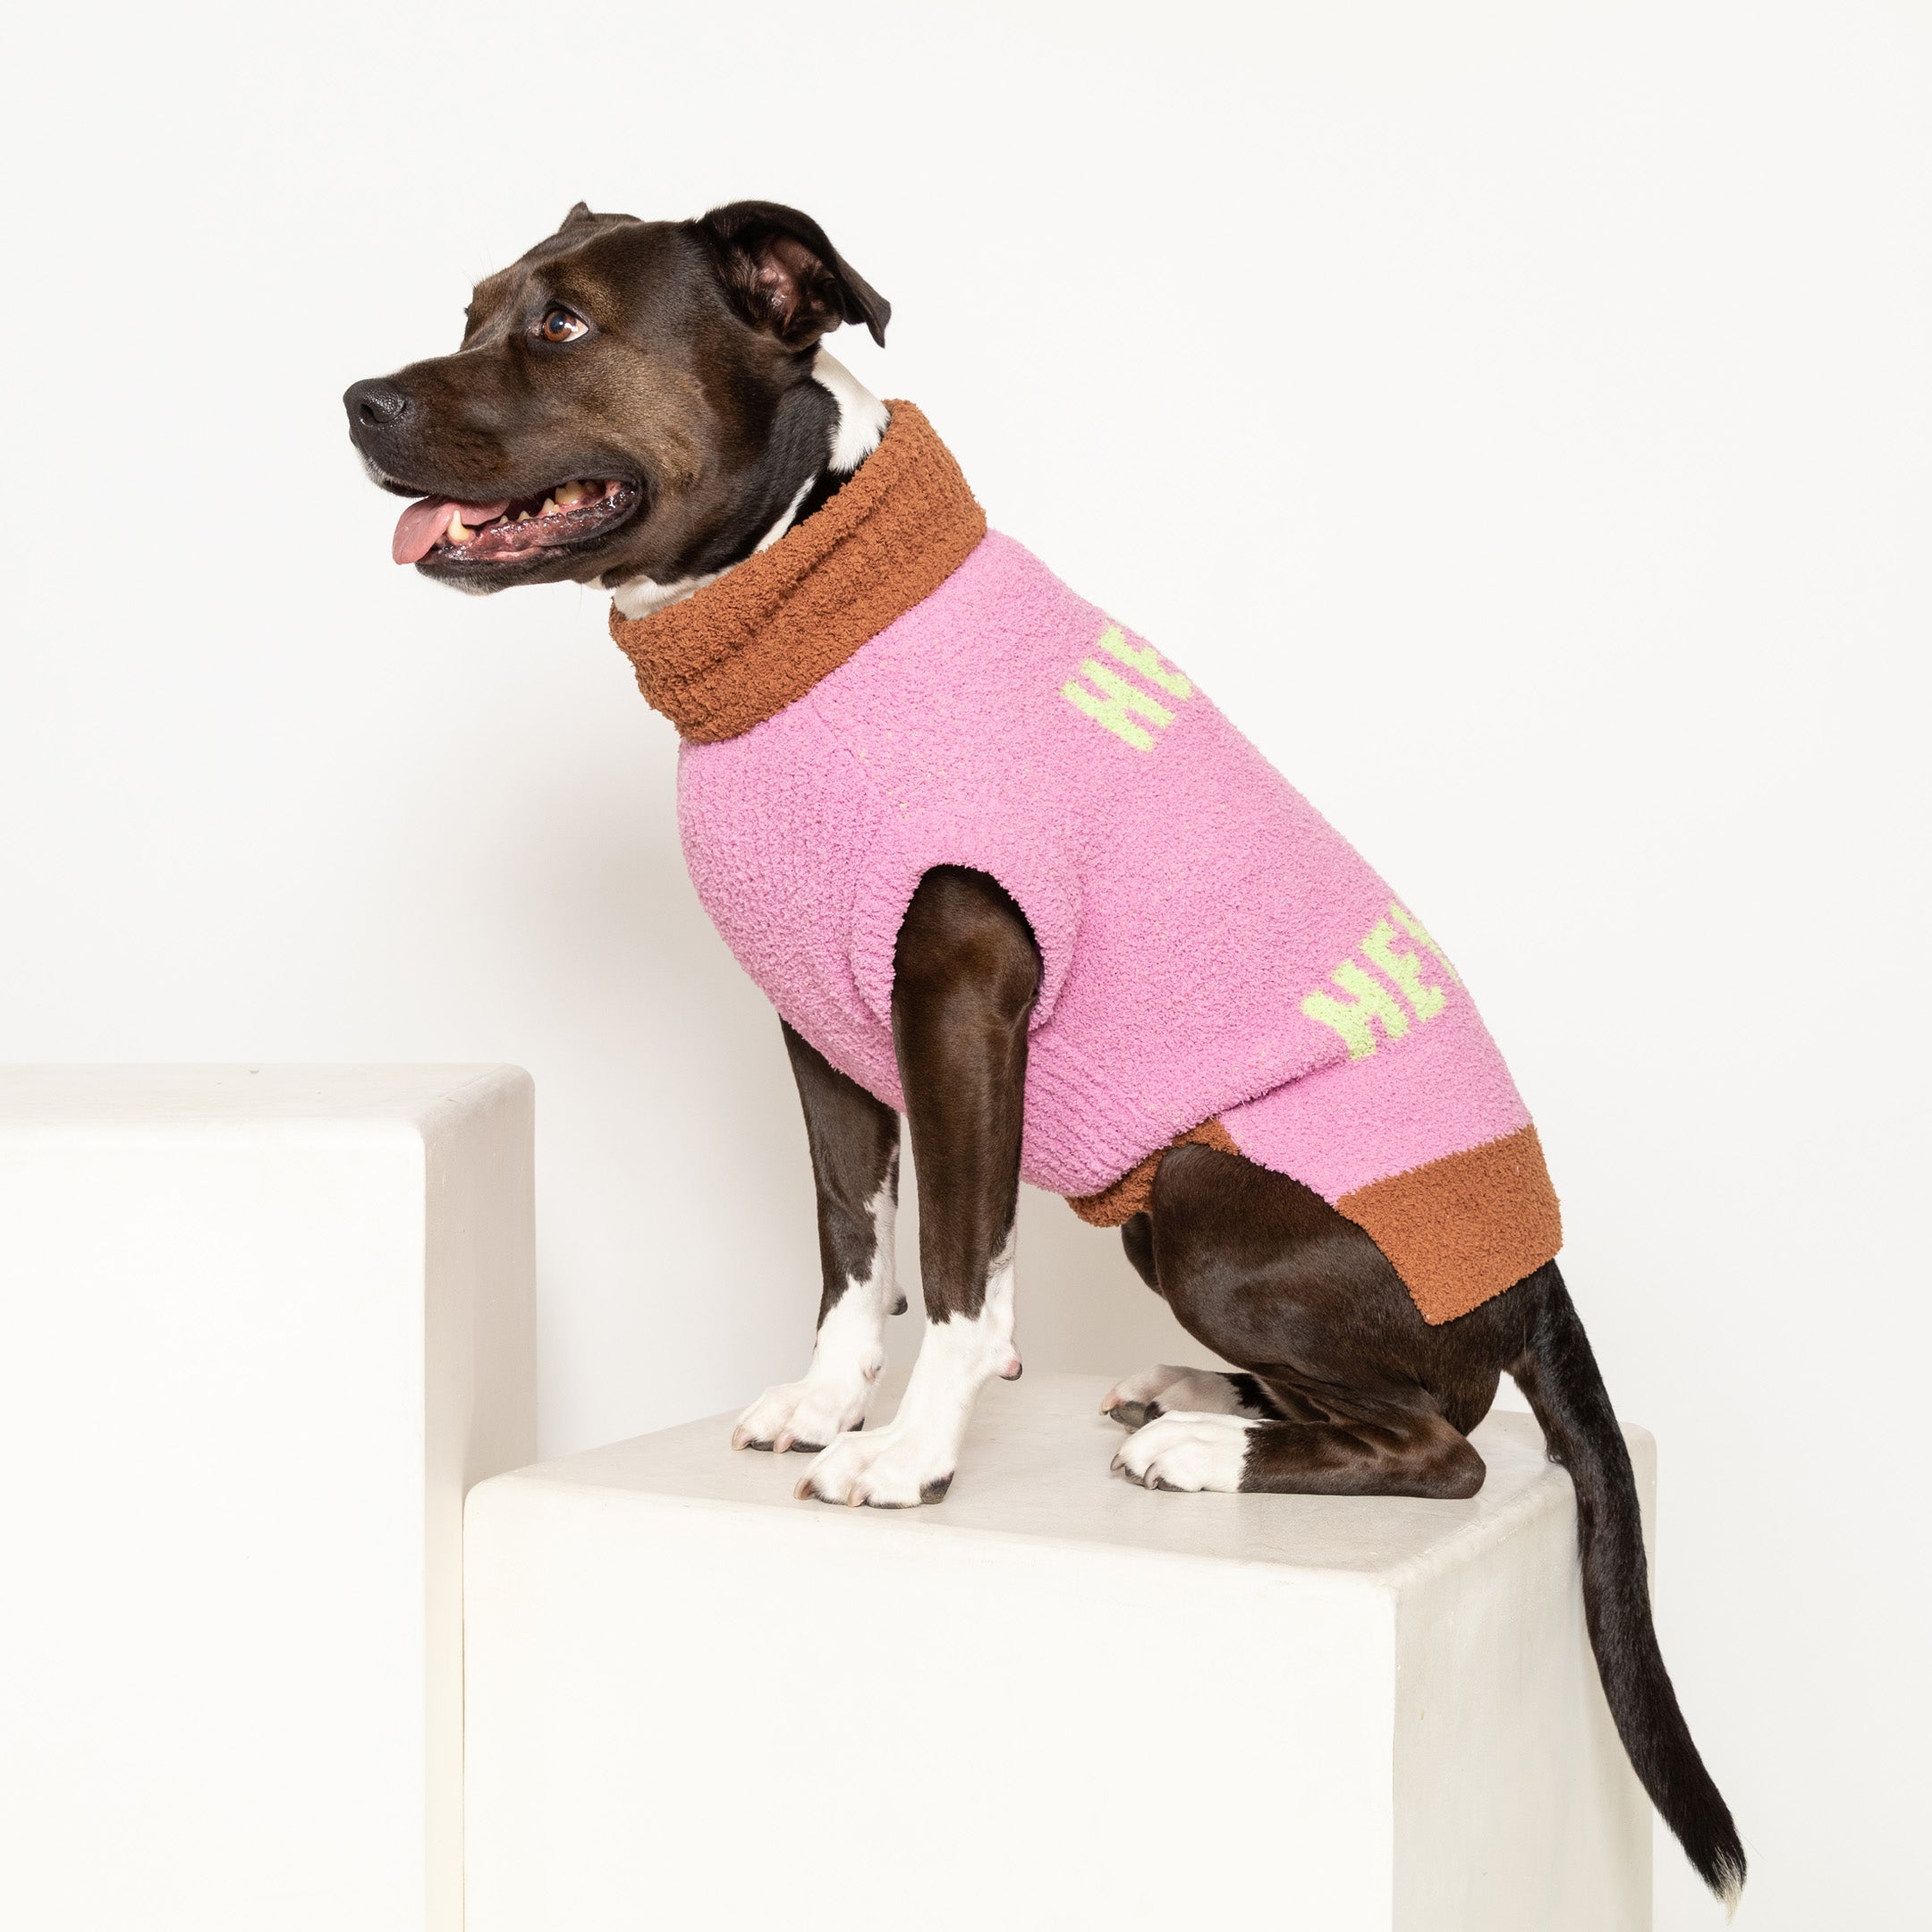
{"points": [[1458, 1231], [759, 639], [1466, 1227], [1130, 1195]]}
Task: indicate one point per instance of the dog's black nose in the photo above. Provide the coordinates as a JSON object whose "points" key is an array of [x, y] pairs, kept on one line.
{"points": [[375, 404]]}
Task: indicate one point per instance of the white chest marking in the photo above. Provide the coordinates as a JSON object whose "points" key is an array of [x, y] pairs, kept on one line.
{"points": [[644, 596], [862, 417]]}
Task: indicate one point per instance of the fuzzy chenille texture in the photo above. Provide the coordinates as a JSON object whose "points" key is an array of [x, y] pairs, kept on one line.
{"points": [[1218, 963]]}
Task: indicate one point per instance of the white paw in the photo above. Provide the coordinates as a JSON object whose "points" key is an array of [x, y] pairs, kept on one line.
{"points": [[1187, 1450], [804, 1415], [896, 1467], [1161, 1391], [1135, 1391]]}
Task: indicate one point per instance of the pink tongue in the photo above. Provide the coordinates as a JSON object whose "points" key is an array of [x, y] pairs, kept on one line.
{"points": [[419, 527]]}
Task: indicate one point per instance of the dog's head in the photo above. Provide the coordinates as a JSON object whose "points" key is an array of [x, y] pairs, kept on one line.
{"points": [[616, 405]]}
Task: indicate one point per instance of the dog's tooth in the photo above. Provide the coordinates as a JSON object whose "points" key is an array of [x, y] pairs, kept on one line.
{"points": [[571, 494], [522, 516], [458, 533], [549, 507]]}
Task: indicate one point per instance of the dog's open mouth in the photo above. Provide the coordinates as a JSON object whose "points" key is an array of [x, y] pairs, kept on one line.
{"points": [[511, 529]]}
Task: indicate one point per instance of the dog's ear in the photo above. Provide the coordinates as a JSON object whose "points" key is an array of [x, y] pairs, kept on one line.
{"points": [[784, 273], [577, 217]]}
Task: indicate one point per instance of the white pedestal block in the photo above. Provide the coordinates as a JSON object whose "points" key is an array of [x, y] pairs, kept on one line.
{"points": [[1055, 1699], [260, 1330]]}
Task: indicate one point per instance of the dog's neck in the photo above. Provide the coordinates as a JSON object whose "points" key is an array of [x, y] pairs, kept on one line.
{"points": [[858, 423]]}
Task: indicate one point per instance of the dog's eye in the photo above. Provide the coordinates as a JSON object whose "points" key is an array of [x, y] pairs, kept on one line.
{"points": [[559, 325]]}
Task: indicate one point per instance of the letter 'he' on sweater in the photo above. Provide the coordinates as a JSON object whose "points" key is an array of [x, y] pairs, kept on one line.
{"points": [[1353, 1019], [1119, 702], [1406, 970]]}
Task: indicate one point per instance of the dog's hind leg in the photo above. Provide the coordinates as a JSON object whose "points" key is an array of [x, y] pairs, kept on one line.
{"points": [[1139, 1399], [1401, 1450], [855, 1164], [1347, 1391]]}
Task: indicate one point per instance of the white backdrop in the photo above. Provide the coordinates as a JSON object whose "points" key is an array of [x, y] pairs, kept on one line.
{"points": [[1518, 418]]}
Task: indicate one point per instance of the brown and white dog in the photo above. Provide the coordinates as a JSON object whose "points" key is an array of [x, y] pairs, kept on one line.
{"points": [[645, 405]]}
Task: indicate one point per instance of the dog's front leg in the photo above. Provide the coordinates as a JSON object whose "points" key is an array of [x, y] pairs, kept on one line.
{"points": [[855, 1142], [966, 975]]}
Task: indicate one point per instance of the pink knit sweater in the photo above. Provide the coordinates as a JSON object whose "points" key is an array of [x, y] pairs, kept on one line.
{"points": [[1211, 947]]}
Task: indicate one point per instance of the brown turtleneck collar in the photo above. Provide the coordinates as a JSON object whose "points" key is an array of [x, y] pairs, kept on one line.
{"points": [[742, 648]]}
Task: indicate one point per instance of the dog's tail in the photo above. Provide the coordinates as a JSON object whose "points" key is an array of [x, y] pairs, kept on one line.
{"points": [[1559, 1376]]}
